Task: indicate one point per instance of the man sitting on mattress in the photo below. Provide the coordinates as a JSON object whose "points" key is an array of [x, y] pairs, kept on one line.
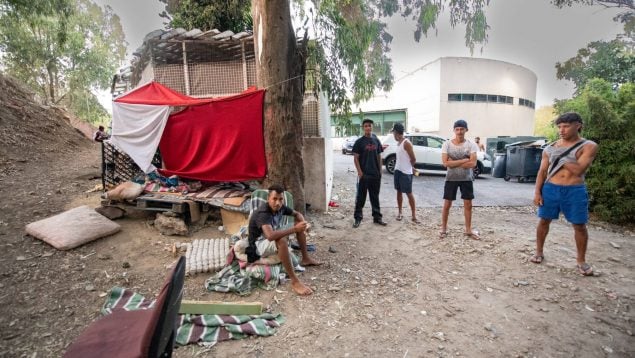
{"points": [[267, 238]]}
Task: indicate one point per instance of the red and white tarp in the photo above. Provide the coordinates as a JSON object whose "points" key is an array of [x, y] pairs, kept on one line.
{"points": [[212, 139]]}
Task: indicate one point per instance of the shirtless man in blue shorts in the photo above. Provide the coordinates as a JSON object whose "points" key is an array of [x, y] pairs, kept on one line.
{"points": [[560, 187]]}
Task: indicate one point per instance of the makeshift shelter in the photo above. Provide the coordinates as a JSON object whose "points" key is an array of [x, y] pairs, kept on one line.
{"points": [[204, 64]]}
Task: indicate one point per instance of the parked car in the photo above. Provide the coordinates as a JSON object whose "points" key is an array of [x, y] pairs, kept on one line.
{"points": [[427, 148], [347, 146]]}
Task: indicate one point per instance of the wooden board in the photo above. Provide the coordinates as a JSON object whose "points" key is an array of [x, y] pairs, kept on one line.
{"points": [[237, 201], [218, 307]]}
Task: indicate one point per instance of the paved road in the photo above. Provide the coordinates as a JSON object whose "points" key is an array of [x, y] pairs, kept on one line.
{"points": [[428, 189]]}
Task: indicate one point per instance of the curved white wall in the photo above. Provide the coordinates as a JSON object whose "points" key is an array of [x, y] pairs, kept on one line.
{"points": [[484, 76]]}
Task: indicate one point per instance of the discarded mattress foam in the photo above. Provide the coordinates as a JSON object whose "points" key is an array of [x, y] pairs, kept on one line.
{"points": [[72, 228]]}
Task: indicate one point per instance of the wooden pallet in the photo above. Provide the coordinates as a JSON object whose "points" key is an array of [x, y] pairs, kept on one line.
{"points": [[162, 203]]}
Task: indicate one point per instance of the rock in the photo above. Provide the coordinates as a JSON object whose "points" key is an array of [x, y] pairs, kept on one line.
{"points": [[90, 288], [438, 335], [20, 258], [125, 264], [607, 349], [334, 288], [104, 256], [332, 249], [615, 245], [374, 282], [170, 225]]}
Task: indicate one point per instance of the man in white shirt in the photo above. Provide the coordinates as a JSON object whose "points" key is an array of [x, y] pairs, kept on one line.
{"points": [[404, 171]]}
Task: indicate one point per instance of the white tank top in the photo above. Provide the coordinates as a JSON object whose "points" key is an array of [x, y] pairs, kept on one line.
{"points": [[403, 159]]}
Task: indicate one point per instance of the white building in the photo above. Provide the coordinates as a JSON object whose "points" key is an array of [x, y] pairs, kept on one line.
{"points": [[496, 98]]}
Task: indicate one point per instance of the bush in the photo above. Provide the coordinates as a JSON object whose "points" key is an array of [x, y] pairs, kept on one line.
{"points": [[609, 120]]}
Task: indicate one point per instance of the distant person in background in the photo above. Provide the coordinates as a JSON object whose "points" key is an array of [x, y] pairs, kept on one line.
{"points": [[404, 171], [480, 145], [100, 135], [459, 156]]}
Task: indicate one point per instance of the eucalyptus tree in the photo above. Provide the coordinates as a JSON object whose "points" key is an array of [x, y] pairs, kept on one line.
{"points": [[341, 47]]}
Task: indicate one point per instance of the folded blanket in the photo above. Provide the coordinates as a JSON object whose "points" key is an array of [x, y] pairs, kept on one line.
{"points": [[202, 329]]}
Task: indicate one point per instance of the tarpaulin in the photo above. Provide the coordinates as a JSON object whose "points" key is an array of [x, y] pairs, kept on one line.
{"points": [[218, 141]]}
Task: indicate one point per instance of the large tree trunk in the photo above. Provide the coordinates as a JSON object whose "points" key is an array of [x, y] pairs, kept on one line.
{"points": [[280, 69]]}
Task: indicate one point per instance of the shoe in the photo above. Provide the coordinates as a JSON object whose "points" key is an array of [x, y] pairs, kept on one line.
{"points": [[356, 223], [380, 222], [537, 259]]}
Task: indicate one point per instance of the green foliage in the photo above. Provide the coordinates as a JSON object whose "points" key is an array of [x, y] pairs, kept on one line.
{"points": [[348, 57], [612, 61], [609, 117], [206, 15], [63, 50], [543, 123]]}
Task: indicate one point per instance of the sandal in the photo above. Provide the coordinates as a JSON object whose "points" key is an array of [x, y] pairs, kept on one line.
{"points": [[537, 259], [443, 234], [399, 217], [585, 269], [474, 235], [415, 221]]}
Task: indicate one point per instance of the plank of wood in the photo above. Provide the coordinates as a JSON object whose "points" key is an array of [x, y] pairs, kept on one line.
{"points": [[218, 307], [237, 201]]}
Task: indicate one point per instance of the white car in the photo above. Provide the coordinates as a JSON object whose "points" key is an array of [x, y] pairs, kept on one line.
{"points": [[427, 148]]}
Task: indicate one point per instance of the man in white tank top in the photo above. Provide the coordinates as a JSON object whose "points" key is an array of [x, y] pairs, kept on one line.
{"points": [[404, 171], [560, 187]]}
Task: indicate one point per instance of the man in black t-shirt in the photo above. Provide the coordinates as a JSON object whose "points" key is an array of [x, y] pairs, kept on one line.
{"points": [[267, 238], [367, 152]]}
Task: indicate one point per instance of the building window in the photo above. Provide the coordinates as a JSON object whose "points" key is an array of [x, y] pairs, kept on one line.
{"points": [[452, 97], [526, 103], [480, 97], [467, 97]]}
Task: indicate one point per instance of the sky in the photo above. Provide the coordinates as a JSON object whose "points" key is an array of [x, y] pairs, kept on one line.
{"points": [[530, 33]]}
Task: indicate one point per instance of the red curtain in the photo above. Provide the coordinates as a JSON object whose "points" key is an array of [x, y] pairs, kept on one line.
{"points": [[218, 141]]}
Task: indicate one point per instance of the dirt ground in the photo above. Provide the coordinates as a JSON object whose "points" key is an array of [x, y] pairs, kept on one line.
{"points": [[395, 291]]}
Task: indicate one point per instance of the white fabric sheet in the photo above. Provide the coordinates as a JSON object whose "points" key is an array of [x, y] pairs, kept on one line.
{"points": [[137, 130]]}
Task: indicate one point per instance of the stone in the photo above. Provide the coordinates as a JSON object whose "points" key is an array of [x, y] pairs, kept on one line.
{"points": [[615, 245], [170, 225]]}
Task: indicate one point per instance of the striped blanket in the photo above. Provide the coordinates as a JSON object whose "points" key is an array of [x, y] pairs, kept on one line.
{"points": [[241, 277], [201, 329]]}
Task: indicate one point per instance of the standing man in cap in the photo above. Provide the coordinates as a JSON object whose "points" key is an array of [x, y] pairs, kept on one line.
{"points": [[367, 153], [459, 157], [404, 171], [560, 187]]}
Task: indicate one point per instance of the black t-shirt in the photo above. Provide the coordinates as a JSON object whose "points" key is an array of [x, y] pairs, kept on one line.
{"points": [[368, 150], [265, 216]]}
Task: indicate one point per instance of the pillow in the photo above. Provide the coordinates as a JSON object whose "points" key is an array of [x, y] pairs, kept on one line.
{"points": [[72, 228]]}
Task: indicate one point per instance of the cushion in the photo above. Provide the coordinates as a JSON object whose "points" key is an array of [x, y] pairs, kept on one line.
{"points": [[72, 228]]}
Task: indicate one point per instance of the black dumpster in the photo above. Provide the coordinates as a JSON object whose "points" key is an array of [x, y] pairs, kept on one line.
{"points": [[500, 164], [522, 163]]}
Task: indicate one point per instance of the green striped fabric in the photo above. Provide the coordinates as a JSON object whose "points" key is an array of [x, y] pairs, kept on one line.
{"points": [[200, 329]]}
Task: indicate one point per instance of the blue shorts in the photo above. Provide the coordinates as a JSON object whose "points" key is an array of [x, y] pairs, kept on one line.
{"points": [[571, 200], [403, 182]]}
